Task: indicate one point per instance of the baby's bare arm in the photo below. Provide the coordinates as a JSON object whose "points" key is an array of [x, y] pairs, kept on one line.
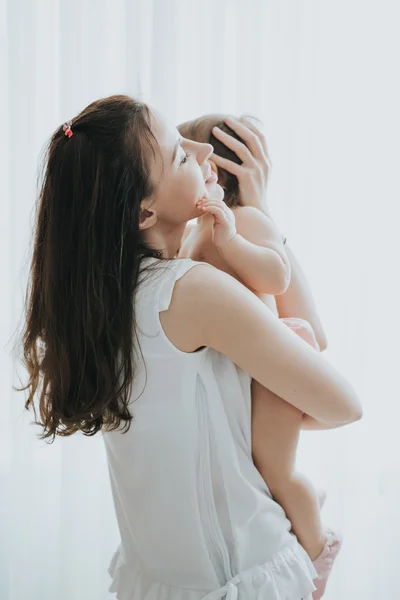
{"points": [[257, 254]]}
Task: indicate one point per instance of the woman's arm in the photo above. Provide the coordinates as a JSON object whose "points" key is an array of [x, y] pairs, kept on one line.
{"points": [[257, 254], [211, 308], [310, 424]]}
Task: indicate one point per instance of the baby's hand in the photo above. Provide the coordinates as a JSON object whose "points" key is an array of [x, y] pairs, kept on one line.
{"points": [[224, 225]]}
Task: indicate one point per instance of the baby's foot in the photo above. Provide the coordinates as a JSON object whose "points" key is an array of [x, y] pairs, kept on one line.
{"points": [[323, 564]]}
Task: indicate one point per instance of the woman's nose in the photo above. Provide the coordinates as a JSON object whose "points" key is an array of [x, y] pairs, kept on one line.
{"points": [[204, 153]]}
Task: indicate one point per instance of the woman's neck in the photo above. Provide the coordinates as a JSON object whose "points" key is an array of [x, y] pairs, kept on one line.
{"points": [[204, 222], [165, 238]]}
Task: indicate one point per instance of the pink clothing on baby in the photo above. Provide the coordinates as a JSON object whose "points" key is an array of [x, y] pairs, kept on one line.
{"points": [[303, 330]]}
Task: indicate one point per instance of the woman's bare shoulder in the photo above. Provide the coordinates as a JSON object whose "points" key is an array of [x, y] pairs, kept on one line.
{"points": [[199, 301], [202, 277], [204, 287]]}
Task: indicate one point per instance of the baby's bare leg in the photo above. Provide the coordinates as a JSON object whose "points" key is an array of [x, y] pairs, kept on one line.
{"points": [[276, 426]]}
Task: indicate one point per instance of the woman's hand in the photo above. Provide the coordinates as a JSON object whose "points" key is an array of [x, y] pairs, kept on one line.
{"points": [[253, 173], [224, 225]]}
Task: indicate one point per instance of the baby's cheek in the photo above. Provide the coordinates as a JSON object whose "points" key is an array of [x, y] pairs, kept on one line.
{"points": [[213, 166], [215, 192]]}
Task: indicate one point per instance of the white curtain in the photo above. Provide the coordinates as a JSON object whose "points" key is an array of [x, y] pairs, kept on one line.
{"points": [[322, 77]]}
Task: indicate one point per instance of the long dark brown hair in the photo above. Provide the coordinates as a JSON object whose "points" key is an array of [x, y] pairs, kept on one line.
{"points": [[79, 320]]}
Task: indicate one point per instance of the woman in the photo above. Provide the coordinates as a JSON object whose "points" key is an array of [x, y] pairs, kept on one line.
{"points": [[119, 333]]}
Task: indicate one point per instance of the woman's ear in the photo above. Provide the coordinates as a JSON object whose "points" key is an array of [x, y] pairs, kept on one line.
{"points": [[148, 215]]}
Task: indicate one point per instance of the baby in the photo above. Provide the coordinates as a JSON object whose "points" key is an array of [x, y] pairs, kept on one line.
{"points": [[258, 257]]}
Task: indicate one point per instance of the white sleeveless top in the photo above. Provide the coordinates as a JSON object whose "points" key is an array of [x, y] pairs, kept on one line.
{"points": [[196, 519]]}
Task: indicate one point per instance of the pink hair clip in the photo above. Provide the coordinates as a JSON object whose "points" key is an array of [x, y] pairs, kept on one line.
{"points": [[67, 128]]}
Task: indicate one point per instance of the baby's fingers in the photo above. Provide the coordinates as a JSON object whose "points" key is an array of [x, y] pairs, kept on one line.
{"points": [[215, 202], [212, 209]]}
